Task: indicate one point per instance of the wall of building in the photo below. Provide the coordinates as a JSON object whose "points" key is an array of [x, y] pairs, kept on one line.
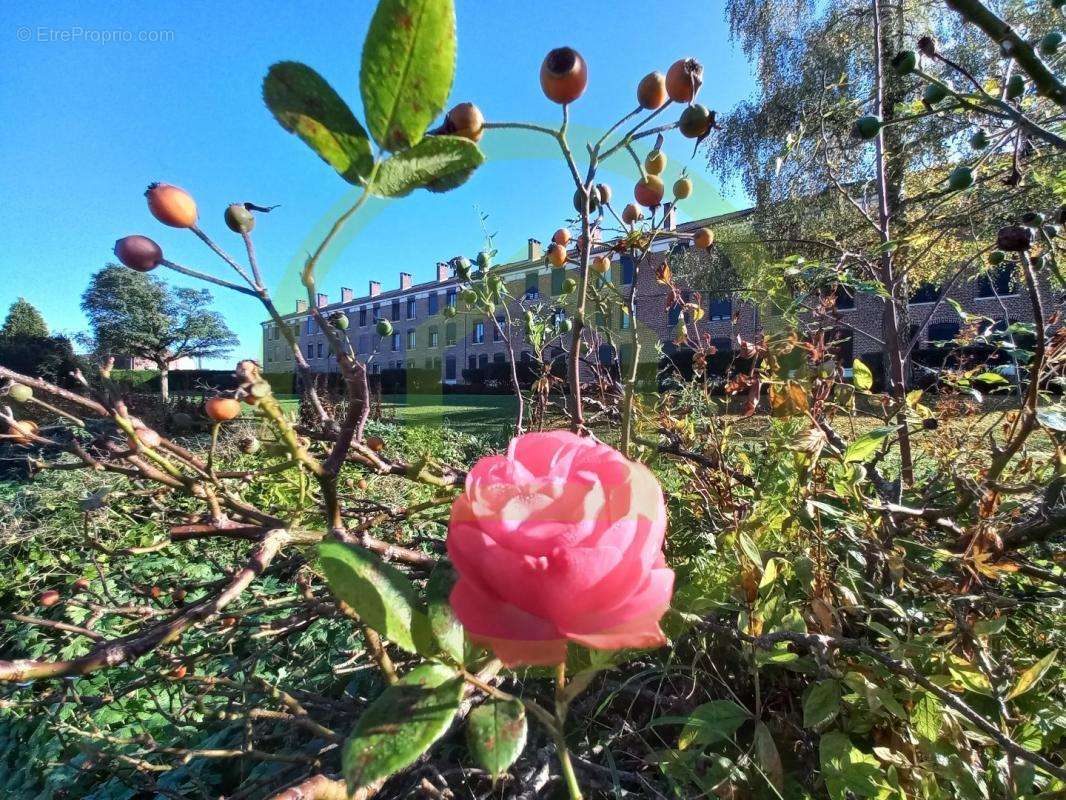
{"points": [[425, 339]]}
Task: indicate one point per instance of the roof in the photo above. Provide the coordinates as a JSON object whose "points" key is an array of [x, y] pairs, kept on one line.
{"points": [[395, 294]]}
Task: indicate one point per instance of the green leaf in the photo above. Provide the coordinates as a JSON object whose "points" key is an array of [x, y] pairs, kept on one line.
{"points": [[822, 704], [434, 160], [767, 757], [867, 444], [1053, 418], [711, 722], [750, 549], [496, 734], [1028, 679], [861, 375], [401, 724], [380, 594], [407, 69], [991, 377], [846, 769], [927, 717], [447, 630], [305, 104]]}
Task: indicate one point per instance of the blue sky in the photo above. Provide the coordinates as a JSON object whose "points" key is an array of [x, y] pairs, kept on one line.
{"points": [[88, 123]]}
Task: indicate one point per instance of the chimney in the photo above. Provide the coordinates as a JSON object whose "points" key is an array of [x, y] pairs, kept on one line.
{"points": [[322, 300], [375, 288], [347, 295], [405, 280], [535, 250], [669, 219], [301, 306], [443, 271]]}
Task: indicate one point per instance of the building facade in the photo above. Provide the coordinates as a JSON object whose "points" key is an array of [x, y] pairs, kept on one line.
{"points": [[426, 339]]}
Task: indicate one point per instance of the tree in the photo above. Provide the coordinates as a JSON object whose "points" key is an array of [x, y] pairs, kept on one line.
{"points": [[23, 319], [880, 208], [139, 315]]}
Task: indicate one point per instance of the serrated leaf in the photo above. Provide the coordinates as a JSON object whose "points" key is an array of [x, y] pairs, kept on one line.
{"points": [[927, 717], [496, 734], [447, 630], [822, 704], [861, 375], [407, 69], [1028, 679], [848, 770], [304, 103], [712, 722], [381, 595], [867, 444], [401, 724], [433, 162]]}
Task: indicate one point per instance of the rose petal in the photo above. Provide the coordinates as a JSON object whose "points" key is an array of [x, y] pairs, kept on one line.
{"points": [[514, 652], [639, 633], [651, 599], [485, 616]]}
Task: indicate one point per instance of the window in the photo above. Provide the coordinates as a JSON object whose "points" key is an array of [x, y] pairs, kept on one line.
{"points": [[432, 300], [436, 364], [603, 319], [429, 363], [675, 314], [526, 357], [364, 343], [558, 279], [377, 312], [623, 320], [532, 286], [478, 335], [628, 267], [625, 356], [844, 299], [320, 349], [943, 331], [310, 351], [375, 369], [497, 328], [721, 308], [310, 325], [843, 346], [410, 339], [410, 308], [395, 310], [606, 354], [483, 361], [997, 282], [449, 333], [560, 316], [276, 331], [498, 358], [449, 298], [722, 344], [395, 342], [449, 368], [925, 293], [471, 362], [434, 337], [362, 316]]}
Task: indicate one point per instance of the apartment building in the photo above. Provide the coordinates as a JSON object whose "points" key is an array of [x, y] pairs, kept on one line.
{"points": [[424, 338]]}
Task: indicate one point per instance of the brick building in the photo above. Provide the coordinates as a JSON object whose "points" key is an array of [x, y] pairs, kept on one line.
{"points": [[424, 338]]}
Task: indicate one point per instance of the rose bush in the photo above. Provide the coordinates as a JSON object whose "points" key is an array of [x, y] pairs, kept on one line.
{"points": [[559, 540]]}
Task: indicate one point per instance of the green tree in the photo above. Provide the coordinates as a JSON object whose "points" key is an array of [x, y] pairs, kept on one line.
{"points": [[138, 315], [23, 319]]}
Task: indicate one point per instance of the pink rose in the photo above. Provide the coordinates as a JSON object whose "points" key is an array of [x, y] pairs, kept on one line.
{"points": [[559, 540]]}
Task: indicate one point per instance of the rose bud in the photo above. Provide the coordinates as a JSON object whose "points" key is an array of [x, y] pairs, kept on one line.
{"points": [[560, 540]]}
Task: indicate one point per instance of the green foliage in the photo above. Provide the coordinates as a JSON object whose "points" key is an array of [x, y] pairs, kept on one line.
{"points": [[134, 314], [402, 724], [497, 734], [304, 103], [23, 320], [444, 160], [379, 593], [407, 69]]}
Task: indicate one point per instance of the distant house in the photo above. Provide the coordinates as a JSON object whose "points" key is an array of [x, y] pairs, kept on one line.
{"points": [[139, 363]]}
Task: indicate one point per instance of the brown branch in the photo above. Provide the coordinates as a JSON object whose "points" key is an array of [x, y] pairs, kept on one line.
{"points": [[129, 648]]}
